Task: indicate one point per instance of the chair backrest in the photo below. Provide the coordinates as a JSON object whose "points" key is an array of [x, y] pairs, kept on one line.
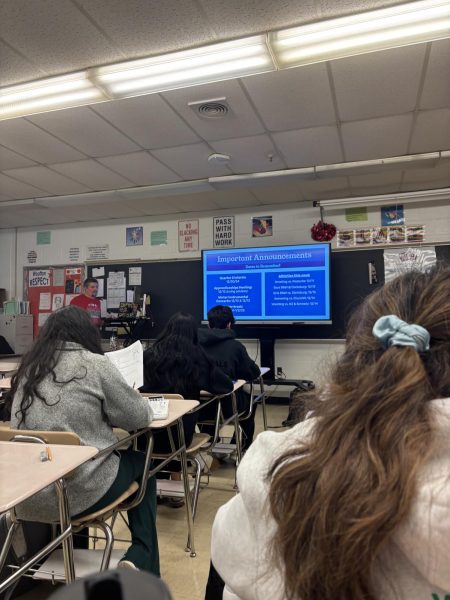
{"points": [[66, 438], [168, 396]]}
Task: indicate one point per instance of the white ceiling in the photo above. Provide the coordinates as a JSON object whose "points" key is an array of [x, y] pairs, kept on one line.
{"points": [[388, 103]]}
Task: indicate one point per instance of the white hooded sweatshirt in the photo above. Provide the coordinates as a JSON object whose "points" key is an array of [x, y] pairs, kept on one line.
{"points": [[415, 565]]}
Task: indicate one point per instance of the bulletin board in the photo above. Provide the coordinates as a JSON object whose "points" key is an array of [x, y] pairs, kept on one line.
{"points": [[50, 288]]}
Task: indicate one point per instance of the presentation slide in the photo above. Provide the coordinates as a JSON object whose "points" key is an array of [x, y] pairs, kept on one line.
{"points": [[282, 283]]}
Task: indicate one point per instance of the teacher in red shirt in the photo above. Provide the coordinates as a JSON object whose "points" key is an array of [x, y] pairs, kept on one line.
{"points": [[89, 301]]}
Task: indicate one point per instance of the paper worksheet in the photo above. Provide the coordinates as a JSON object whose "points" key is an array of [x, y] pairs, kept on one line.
{"points": [[130, 363], [116, 285]]}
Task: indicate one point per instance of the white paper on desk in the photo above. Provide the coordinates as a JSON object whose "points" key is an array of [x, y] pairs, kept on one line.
{"points": [[45, 301], [98, 272], [130, 363]]}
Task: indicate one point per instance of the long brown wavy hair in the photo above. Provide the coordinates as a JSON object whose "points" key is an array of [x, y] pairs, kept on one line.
{"points": [[339, 496]]}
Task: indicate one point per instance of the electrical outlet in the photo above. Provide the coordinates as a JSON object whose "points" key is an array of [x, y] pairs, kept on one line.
{"points": [[279, 371]]}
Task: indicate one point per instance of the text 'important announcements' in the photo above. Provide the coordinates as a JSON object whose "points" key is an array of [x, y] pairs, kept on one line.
{"points": [[283, 283]]}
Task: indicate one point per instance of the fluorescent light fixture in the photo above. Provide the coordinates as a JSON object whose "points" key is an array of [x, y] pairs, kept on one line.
{"points": [[424, 196], [15, 203], [45, 95], [250, 180], [379, 165], [401, 25], [166, 189], [215, 62], [71, 200]]}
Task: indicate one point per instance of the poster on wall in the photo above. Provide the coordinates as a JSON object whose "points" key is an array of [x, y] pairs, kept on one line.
{"points": [[262, 226], [74, 254], [223, 232], [188, 235], [135, 236], [39, 278], [97, 252], [57, 301], [392, 215], [73, 281], [402, 260]]}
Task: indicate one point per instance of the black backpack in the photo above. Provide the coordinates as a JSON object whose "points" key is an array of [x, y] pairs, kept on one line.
{"points": [[297, 408], [29, 538]]}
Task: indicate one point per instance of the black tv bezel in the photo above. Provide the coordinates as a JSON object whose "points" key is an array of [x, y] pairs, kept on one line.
{"points": [[271, 322]]}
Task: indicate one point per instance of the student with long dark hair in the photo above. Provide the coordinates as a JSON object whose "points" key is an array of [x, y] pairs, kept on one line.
{"points": [[177, 364], [354, 503], [65, 383]]}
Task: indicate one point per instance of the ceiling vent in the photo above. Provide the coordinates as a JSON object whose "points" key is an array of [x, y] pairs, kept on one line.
{"points": [[216, 108]]}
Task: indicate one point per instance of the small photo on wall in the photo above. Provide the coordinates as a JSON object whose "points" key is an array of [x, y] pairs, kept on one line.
{"points": [[135, 236], [262, 226]]}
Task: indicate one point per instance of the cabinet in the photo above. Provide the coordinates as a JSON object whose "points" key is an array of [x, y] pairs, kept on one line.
{"points": [[18, 331]]}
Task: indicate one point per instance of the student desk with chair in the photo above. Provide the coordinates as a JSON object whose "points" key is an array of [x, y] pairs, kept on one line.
{"points": [[26, 479], [23, 474]]}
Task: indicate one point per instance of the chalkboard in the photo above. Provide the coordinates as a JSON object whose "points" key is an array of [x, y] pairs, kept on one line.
{"points": [[177, 285]]}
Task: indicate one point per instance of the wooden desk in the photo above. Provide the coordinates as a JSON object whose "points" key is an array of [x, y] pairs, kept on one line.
{"points": [[177, 409], [22, 475]]}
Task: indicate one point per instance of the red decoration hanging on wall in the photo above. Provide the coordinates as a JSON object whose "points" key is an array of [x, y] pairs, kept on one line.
{"points": [[323, 232]]}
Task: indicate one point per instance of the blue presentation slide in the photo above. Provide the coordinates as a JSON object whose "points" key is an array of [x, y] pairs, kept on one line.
{"points": [[283, 283]]}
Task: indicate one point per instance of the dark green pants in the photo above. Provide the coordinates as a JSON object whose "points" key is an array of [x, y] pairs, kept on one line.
{"points": [[143, 551]]}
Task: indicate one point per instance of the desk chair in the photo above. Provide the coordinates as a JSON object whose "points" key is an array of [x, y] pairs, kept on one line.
{"points": [[99, 518], [192, 455]]}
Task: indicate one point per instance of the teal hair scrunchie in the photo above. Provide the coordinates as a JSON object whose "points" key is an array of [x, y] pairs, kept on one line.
{"points": [[392, 331]]}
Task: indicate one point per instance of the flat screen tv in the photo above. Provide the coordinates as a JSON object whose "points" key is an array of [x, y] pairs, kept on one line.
{"points": [[276, 284]]}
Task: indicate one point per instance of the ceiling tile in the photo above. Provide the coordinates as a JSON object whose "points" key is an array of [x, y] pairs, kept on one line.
{"points": [[47, 180], [140, 168], [154, 206], [148, 120], [281, 194], [389, 182], [55, 35], [379, 83], [436, 89], [116, 210], [439, 172], [250, 154], [431, 131], [195, 202], [30, 141], [234, 17], [140, 27], [309, 147], [12, 64], [79, 213], [3, 197], [17, 189], [329, 9], [292, 99], [325, 188], [92, 174], [86, 131], [376, 138], [235, 198], [240, 121], [191, 162], [12, 160]]}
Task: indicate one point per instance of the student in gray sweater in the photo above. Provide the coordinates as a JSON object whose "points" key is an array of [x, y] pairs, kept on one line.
{"points": [[65, 383]]}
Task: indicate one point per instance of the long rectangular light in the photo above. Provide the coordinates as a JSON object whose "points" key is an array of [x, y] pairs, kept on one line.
{"points": [[423, 196], [207, 64], [49, 94], [401, 25]]}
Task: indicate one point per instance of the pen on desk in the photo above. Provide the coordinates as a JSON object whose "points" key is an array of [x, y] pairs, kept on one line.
{"points": [[49, 453]]}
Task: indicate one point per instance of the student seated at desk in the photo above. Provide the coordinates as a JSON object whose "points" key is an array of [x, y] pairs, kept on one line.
{"points": [[177, 364], [220, 343], [65, 383], [355, 502]]}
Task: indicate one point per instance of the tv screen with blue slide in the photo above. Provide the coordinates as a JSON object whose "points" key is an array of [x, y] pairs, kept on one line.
{"points": [[277, 284]]}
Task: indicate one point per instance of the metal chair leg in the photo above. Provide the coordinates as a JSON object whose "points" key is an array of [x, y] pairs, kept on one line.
{"points": [[109, 541], [187, 493]]}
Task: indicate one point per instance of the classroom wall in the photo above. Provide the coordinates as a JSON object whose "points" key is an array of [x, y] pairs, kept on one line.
{"points": [[291, 224]]}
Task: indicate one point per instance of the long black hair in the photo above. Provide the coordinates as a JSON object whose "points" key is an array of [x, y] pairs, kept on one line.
{"points": [[69, 324], [174, 357]]}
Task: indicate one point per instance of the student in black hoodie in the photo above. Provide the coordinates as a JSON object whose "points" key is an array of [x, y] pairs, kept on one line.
{"points": [[220, 343]]}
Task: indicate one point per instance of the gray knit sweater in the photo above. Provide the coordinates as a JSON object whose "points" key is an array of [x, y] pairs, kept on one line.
{"points": [[96, 400]]}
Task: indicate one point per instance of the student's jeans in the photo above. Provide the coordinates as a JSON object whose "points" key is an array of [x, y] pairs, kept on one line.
{"points": [[143, 552]]}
